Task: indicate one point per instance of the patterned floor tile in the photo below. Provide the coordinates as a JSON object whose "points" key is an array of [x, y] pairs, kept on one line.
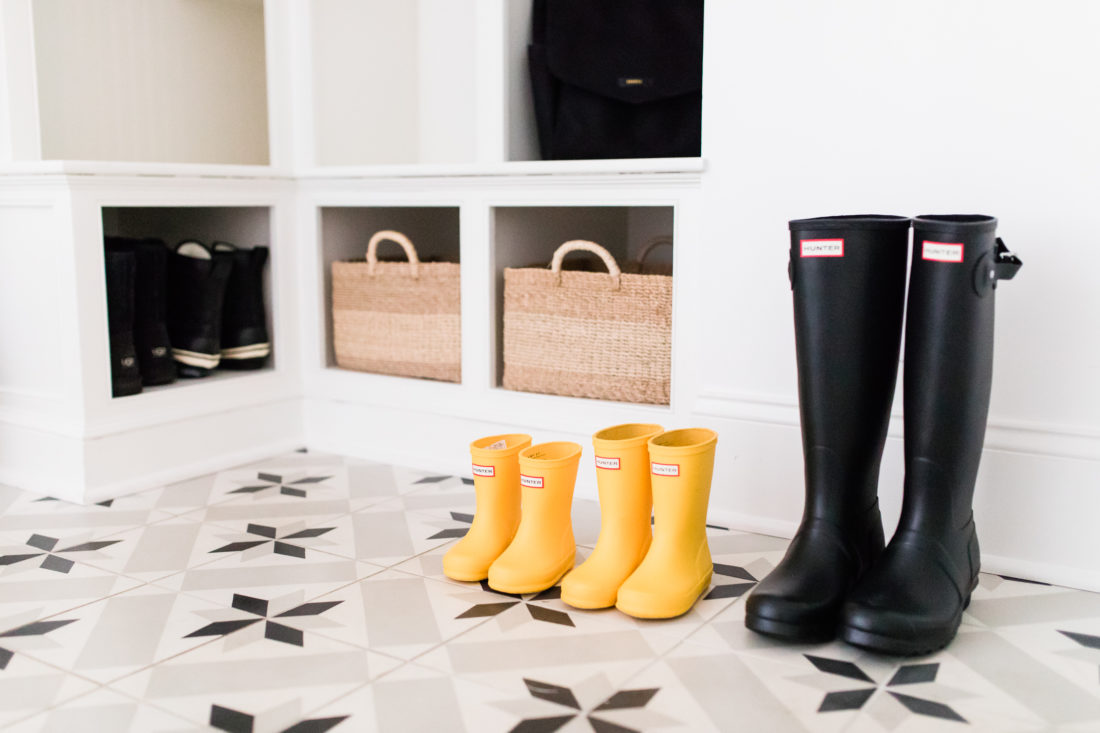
{"points": [[400, 614], [388, 534], [28, 686], [52, 583], [397, 703], [700, 689], [103, 711], [117, 636], [45, 515], [305, 592], [268, 575], [271, 670], [529, 635]]}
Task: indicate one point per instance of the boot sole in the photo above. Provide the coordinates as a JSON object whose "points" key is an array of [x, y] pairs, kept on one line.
{"points": [[700, 589], [893, 645], [786, 631], [884, 644], [522, 590], [196, 359]]}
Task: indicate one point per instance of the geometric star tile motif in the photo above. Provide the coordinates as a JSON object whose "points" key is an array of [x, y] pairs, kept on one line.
{"points": [[306, 593], [491, 606], [275, 615], [601, 713], [287, 485], [45, 547], [262, 539], [855, 698]]}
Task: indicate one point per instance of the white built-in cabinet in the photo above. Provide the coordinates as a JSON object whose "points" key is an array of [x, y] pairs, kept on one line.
{"points": [[305, 127]]}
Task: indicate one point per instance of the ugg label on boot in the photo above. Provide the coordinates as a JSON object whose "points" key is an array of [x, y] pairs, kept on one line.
{"points": [[665, 469], [942, 251], [822, 247], [533, 482], [487, 471], [611, 464]]}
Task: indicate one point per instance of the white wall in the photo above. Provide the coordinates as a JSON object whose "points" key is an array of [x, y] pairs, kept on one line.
{"points": [[178, 81], [907, 108]]}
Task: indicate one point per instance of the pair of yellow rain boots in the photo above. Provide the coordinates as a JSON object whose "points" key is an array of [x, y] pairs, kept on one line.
{"points": [[644, 571], [522, 541], [521, 538]]}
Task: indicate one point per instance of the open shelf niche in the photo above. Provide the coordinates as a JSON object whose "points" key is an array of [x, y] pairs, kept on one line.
{"points": [[242, 226], [163, 82], [527, 236], [346, 230]]}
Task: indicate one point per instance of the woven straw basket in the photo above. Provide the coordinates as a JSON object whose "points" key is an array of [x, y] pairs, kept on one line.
{"points": [[588, 334], [398, 318]]}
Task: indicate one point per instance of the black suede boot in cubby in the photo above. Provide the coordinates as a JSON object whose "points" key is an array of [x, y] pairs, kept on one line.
{"points": [[125, 375], [196, 294], [244, 341], [154, 350]]}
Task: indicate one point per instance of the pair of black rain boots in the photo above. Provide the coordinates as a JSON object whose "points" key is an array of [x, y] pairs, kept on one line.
{"points": [[848, 276], [216, 312], [140, 349]]}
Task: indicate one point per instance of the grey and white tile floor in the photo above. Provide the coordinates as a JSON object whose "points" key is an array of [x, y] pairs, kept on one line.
{"points": [[305, 593]]}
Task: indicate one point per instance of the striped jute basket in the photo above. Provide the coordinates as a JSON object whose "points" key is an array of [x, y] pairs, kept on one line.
{"points": [[398, 318], [588, 334]]}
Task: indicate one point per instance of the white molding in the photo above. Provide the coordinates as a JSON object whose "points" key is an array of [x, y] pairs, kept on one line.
{"points": [[1017, 436], [507, 168]]}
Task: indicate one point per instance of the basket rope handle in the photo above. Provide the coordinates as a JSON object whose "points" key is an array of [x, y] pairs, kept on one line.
{"points": [[582, 245], [659, 240], [406, 244]]}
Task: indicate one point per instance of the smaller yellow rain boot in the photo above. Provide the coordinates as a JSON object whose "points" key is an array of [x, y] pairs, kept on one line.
{"points": [[677, 569], [543, 549], [626, 501], [496, 518]]}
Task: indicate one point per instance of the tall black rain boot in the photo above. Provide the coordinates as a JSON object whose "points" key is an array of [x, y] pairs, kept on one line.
{"points": [[912, 601], [125, 375], [848, 278], [196, 295], [244, 342], [154, 350]]}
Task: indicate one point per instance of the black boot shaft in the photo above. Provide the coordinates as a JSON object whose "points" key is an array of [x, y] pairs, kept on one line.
{"points": [[948, 367], [244, 318], [848, 281], [848, 278], [912, 601], [150, 307], [119, 270], [196, 296]]}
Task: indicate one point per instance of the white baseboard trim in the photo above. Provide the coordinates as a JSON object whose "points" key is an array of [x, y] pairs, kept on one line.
{"points": [[1017, 436], [220, 462]]}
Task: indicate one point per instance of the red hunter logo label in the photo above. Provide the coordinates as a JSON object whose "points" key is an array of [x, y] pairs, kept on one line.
{"points": [[822, 247], [534, 482], [942, 251], [664, 469], [611, 464], [486, 471]]}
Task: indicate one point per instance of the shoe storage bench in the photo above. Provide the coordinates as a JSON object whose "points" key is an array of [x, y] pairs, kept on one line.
{"points": [[61, 432]]}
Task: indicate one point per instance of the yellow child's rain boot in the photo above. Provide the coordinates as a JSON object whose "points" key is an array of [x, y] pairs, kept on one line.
{"points": [[677, 568], [626, 501], [496, 484], [543, 549]]}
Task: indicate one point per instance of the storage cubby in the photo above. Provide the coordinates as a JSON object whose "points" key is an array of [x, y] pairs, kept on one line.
{"points": [[242, 226], [527, 236], [129, 80], [346, 230]]}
